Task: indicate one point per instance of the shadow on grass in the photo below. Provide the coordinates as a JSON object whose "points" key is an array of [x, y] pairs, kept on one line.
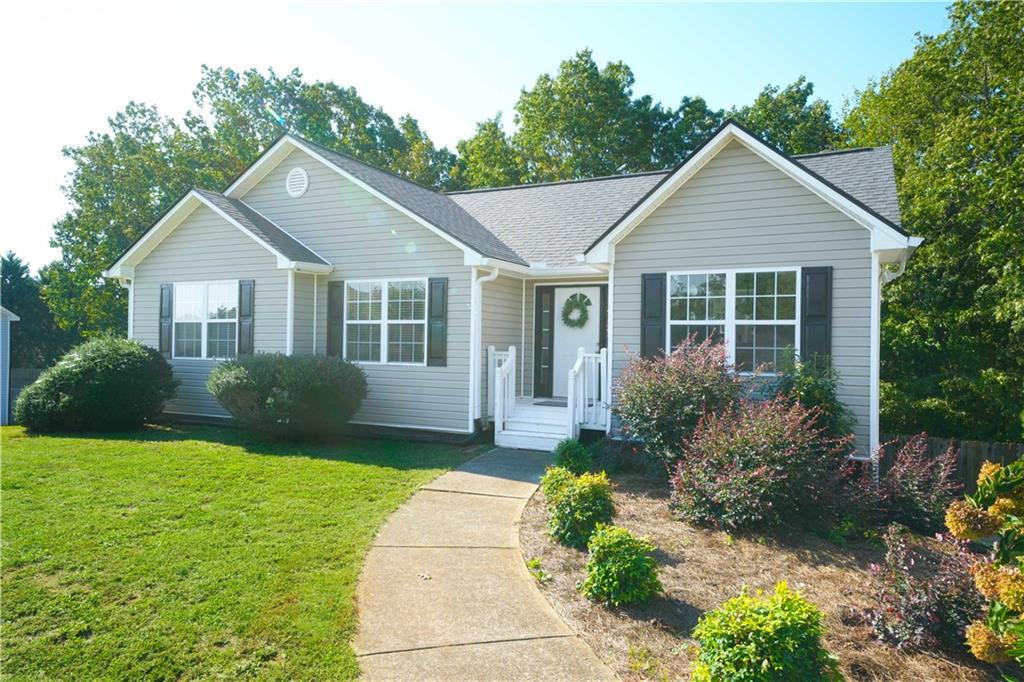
{"points": [[672, 615], [384, 451]]}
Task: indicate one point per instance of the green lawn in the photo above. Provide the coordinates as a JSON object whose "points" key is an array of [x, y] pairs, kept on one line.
{"points": [[188, 553]]}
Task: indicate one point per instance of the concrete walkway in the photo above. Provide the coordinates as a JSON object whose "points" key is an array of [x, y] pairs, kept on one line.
{"points": [[445, 593]]}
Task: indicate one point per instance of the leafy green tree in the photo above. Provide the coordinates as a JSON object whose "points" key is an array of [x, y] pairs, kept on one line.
{"points": [[685, 129], [584, 122], [789, 119], [488, 159], [125, 178], [953, 332], [36, 341]]}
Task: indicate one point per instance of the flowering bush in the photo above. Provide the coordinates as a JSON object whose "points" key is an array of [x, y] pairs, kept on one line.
{"points": [[927, 598], [575, 511], [755, 465], [660, 400], [620, 568], [995, 509], [774, 637]]}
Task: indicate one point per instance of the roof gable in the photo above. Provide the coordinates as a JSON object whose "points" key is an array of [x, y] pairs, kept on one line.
{"points": [[290, 252], [885, 234], [434, 210]]}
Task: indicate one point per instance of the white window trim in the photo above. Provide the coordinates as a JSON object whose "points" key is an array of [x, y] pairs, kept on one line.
{"points": [[204, 322], [384, 320], [729, 323]]}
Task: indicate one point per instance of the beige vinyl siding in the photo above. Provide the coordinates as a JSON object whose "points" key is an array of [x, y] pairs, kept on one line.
{"points": [[364, 238], [531, 316], [205, 247], [501, 327], [740, 212], [302, 341]]}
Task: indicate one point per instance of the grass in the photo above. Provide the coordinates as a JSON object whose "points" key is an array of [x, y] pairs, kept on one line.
{"points": [[191, 553]]}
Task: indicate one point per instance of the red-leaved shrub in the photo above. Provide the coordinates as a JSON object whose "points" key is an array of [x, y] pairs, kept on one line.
{"points": [[756, 464], [927, 596], [914, 491], [660, 400]]}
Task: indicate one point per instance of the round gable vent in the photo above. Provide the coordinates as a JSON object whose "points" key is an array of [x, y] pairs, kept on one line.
{"points": [[297, 182]]}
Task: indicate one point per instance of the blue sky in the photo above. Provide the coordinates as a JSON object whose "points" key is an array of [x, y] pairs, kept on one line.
{"points": [[65, 67]]}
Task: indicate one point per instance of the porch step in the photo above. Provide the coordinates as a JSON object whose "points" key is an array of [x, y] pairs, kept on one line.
{"points": [[528, 440], [554, 427]]}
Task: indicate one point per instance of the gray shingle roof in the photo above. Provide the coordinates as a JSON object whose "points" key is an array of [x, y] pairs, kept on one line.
{"points": [[434, 207], [284, 243], [552, 223], [865, 174]]}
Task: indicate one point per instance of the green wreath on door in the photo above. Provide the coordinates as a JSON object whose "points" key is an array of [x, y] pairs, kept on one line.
{"points": [[575, 312]]}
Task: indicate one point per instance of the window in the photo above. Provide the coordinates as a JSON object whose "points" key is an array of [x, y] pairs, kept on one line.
{"points": [[385, 321], [206, 320], [753, 312]]}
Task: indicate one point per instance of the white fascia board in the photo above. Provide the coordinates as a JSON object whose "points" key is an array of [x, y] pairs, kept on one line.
{"points": [[887, 236], [276, 154]]}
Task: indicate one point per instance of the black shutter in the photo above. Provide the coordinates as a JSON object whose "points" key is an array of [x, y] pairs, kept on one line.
{"points": [[246, 303], [437, 322], [335, 316], [652, 314], [816, 315], [166, 319]]}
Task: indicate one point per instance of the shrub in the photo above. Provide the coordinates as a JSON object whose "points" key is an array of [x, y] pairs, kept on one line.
{"points": [[620, 568], [773, 637], [573, 455], [996, 508], [106, 384], [927, 596], [554, 482], [573, 514], [660, 400], [289, 395], [813, 385], [756, 465]]}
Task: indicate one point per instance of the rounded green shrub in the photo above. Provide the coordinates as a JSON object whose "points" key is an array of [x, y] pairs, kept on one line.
{"points": [[620, 568], [554, 482], [574, 514], [309, 396], [106, 384], [763, 637], [573, 455]]}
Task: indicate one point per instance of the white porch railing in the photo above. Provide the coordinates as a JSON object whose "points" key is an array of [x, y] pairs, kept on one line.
{"points": [[589, 392], [501, 385]]}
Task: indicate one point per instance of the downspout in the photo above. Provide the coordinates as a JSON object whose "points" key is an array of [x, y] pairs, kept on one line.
{"points": [[476, 335]]}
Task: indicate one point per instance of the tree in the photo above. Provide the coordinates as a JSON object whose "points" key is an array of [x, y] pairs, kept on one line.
{"points": [[36, 341], [584, 122], [125, 178], [788, 119], [488, 159], [953, 332], [685, 129]]}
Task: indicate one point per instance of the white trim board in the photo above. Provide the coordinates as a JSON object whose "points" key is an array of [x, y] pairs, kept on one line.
{"points": [[883, 236]]}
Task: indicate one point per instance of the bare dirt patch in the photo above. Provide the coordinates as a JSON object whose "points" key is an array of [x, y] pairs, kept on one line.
{"points": [[702, 568]]}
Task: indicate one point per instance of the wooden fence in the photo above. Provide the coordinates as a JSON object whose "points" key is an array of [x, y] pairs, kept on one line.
{"points": [[972, 454]]}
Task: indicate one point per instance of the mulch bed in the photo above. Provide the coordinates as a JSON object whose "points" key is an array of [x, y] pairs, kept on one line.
{"points": [[702, 568]]}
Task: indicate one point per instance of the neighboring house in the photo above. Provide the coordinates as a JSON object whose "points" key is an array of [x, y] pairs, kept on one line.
{"points": [[312, 251], [6, 317]]}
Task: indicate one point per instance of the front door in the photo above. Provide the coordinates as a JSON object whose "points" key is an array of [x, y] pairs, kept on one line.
{"points": [[562, 330]]}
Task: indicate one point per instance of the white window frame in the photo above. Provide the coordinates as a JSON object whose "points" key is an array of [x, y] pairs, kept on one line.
{"points": [[730, 322], [205, 284], [384, 320]]}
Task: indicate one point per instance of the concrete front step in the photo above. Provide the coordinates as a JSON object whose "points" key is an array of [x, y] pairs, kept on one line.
{"points": [[528, 440]]}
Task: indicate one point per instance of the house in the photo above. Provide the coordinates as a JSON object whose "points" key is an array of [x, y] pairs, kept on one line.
{"points": [[521, 305], [6, 318]]}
